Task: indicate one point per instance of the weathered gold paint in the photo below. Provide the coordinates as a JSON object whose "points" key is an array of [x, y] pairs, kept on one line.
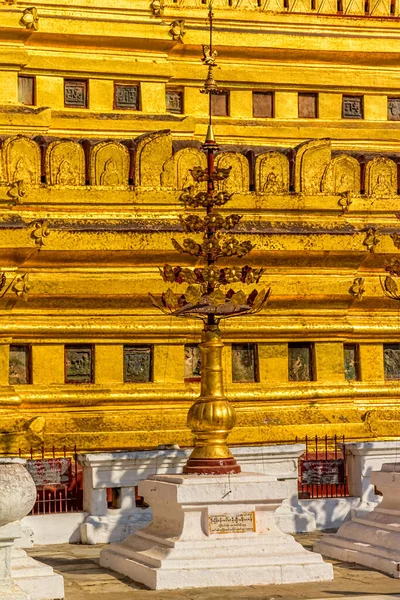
{"points": [[89, 285]]}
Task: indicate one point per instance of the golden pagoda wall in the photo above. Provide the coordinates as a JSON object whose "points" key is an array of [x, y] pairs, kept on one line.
{"points": [[82, 236]]}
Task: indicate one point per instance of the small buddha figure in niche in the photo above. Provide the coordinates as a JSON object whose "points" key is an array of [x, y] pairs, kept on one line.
{"points": [[272, 184], [65, 175], [110, 175], [381, 188], [345, 184], [22, 171]]}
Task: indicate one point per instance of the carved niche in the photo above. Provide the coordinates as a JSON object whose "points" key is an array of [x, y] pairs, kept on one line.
{"points": [[312, 158], [272, 173], [326, 6], [342, 175], [109, 164], [152, 151], [176, 172], [239, 177], [65, 163], [379, 8], [21, 159], [381, 177], [302, 6], [353, 7]]}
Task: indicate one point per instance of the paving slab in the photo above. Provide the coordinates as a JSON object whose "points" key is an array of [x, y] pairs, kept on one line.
{"points": [[85, 580]]}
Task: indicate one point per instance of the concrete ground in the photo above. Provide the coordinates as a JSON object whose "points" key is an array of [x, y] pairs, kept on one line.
{"points": [[86, 580]]}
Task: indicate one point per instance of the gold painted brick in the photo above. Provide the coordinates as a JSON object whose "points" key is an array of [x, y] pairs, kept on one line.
{"points": [[109, 363], [8, 87], [329, 106], [4, 362], [194, 102], [50, 91], [286, 105], [329, 361], [168, 363], [241, 104], [48, 364], [371, 362], [152, 97], [227, 364], [101, 94], [375, 107], [273, 363]]}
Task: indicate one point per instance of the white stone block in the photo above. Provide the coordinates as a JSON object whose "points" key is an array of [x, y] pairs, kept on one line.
{"points": [[372, 539], [181, 549], [35, 578]]}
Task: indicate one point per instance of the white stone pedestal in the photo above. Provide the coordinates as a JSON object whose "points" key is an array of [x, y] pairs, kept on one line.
{"points": [[213, 531], [35, 578], [372, 539]]}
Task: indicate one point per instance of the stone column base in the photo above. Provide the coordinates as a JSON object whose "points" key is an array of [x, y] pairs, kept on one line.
{"points": [[214, 531], [373, 539], [35, 578]]}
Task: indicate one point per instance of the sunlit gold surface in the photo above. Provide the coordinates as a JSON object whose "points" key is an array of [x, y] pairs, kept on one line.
{"points": [[89, 271]]}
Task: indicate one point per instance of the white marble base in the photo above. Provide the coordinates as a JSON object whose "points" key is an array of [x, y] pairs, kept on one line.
{"points": [[372, 539], [105, 530], [178, 550], [35, 578]]}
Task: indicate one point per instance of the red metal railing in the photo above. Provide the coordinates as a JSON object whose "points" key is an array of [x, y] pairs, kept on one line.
{"points": [[58, 478], [322, 468]]}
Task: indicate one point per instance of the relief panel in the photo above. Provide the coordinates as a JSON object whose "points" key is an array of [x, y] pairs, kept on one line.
{"points": [[239, 177], [300, 362], [21, 159], [353, 7], [272, 173], [391, 361], [381, 177], [394, 109], [79, 364], [138, 363], [109, 164], [20, 365], [327, 6], [312, 158], [152, 151], [352, 107], [379, 8], [244, 363], [342, 175], [65, 163], [302, 6], [192, 371], [176, 172]]}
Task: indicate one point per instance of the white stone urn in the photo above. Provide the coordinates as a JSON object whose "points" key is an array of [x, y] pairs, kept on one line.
{"points": [[17, 497]]}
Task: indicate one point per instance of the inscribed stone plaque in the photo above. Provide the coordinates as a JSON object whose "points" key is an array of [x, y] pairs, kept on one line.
{"points": [[394, 109], [352, 107], [391, 357], [174, 101], [26, 90], [308, 106], [300, 362], [244, 362], [49, 471], [351, 362], [19, 370], [192, 369], [78, 364], [219, 105], [137, 363], [126, 96], [322, 472], [263, 105], [232, 523], [75, 93]]}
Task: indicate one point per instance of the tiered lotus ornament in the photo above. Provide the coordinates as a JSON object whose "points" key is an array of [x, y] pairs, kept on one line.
{"points": [[208, 296]]}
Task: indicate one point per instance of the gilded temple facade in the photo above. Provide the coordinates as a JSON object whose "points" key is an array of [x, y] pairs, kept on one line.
{"points": [[101, 121]]}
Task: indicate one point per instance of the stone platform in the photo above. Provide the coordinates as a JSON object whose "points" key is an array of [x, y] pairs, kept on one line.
{"points": [[372, 539], [210, 531]]}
